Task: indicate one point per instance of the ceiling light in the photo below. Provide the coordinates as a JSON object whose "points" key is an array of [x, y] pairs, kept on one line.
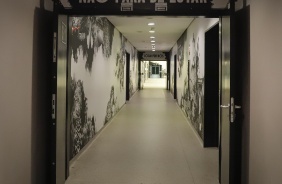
{"points": [[153, 44], [151, 24], [152, 37], [152, 30], [153, 41], [153, 50]]}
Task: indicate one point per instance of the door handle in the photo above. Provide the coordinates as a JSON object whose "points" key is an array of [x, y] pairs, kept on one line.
{"points": [[225, 106], [232, 110]]}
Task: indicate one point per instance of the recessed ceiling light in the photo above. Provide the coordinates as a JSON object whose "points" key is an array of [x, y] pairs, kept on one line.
{"points": [[153, 50], [153, 44], [151, 24], [152, 30], [152, 37], [153, 41]]}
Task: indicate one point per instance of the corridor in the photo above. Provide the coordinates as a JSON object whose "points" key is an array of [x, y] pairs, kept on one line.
{"points": [[148, 142]]}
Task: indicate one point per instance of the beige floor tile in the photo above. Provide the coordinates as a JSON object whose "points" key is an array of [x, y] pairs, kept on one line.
{"points": [[148, 142]]}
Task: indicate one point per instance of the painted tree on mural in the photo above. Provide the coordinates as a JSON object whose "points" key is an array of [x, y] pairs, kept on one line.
{"points": [[82, 125], [185, 98], [88, 34], [119, 73], [180, 53], [112, 106], [120, 63], [91, 45], [131, 90], [193, 93]]}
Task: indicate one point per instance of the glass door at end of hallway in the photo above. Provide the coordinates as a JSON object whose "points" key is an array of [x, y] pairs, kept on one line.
{"points": [[155, 71]]}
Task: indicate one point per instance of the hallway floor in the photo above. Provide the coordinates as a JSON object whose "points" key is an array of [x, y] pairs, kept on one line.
{"points": [[148, 142], [155, 83]]}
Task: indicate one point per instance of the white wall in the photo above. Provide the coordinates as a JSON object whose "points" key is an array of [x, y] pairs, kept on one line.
{"points": [[266, 88], [103, 81], [22, 137]]}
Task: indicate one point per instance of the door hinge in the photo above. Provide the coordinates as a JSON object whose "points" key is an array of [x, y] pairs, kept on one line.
{"points": [[53, 106]]}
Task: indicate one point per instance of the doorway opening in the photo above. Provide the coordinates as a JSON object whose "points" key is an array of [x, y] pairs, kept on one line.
{"points": [[127, 78], [179, 60], [187, 77], [154, 74]]}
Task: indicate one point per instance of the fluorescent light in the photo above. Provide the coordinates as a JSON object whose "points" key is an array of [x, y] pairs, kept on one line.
{"points": [[153, 41], [153, 50], [152, 37], [153, 44], [151, 24]]}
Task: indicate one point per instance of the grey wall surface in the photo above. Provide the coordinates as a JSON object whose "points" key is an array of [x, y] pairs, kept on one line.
{"points": [[265, 158], [23, 92]]}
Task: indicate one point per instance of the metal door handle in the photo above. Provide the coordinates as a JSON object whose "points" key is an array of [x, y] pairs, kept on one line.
{"points": [[225, 106], [232, 110]]}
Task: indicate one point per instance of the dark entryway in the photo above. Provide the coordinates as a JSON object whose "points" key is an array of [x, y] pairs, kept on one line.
{"points": [[211, 121], [175, 77], [127, 76]]}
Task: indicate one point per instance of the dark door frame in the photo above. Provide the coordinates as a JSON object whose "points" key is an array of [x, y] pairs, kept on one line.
{"points": [[211, 100], [127, 78], [239, 88], [175, 77], [58, 9], [168, 74]]}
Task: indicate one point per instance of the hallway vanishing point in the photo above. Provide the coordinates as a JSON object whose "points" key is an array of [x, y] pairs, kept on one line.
{"points": [[148, 142]]}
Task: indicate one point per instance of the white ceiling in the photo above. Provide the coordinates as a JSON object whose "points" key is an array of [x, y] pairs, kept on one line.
{"points": [[167, 30]]}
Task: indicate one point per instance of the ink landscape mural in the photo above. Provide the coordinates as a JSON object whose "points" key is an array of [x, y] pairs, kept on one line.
{"points": [[189, 50], [97, 76]]}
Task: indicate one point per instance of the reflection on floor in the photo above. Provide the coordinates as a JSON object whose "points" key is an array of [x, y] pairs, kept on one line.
{"points": [[148, 142], [155, 83]]}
